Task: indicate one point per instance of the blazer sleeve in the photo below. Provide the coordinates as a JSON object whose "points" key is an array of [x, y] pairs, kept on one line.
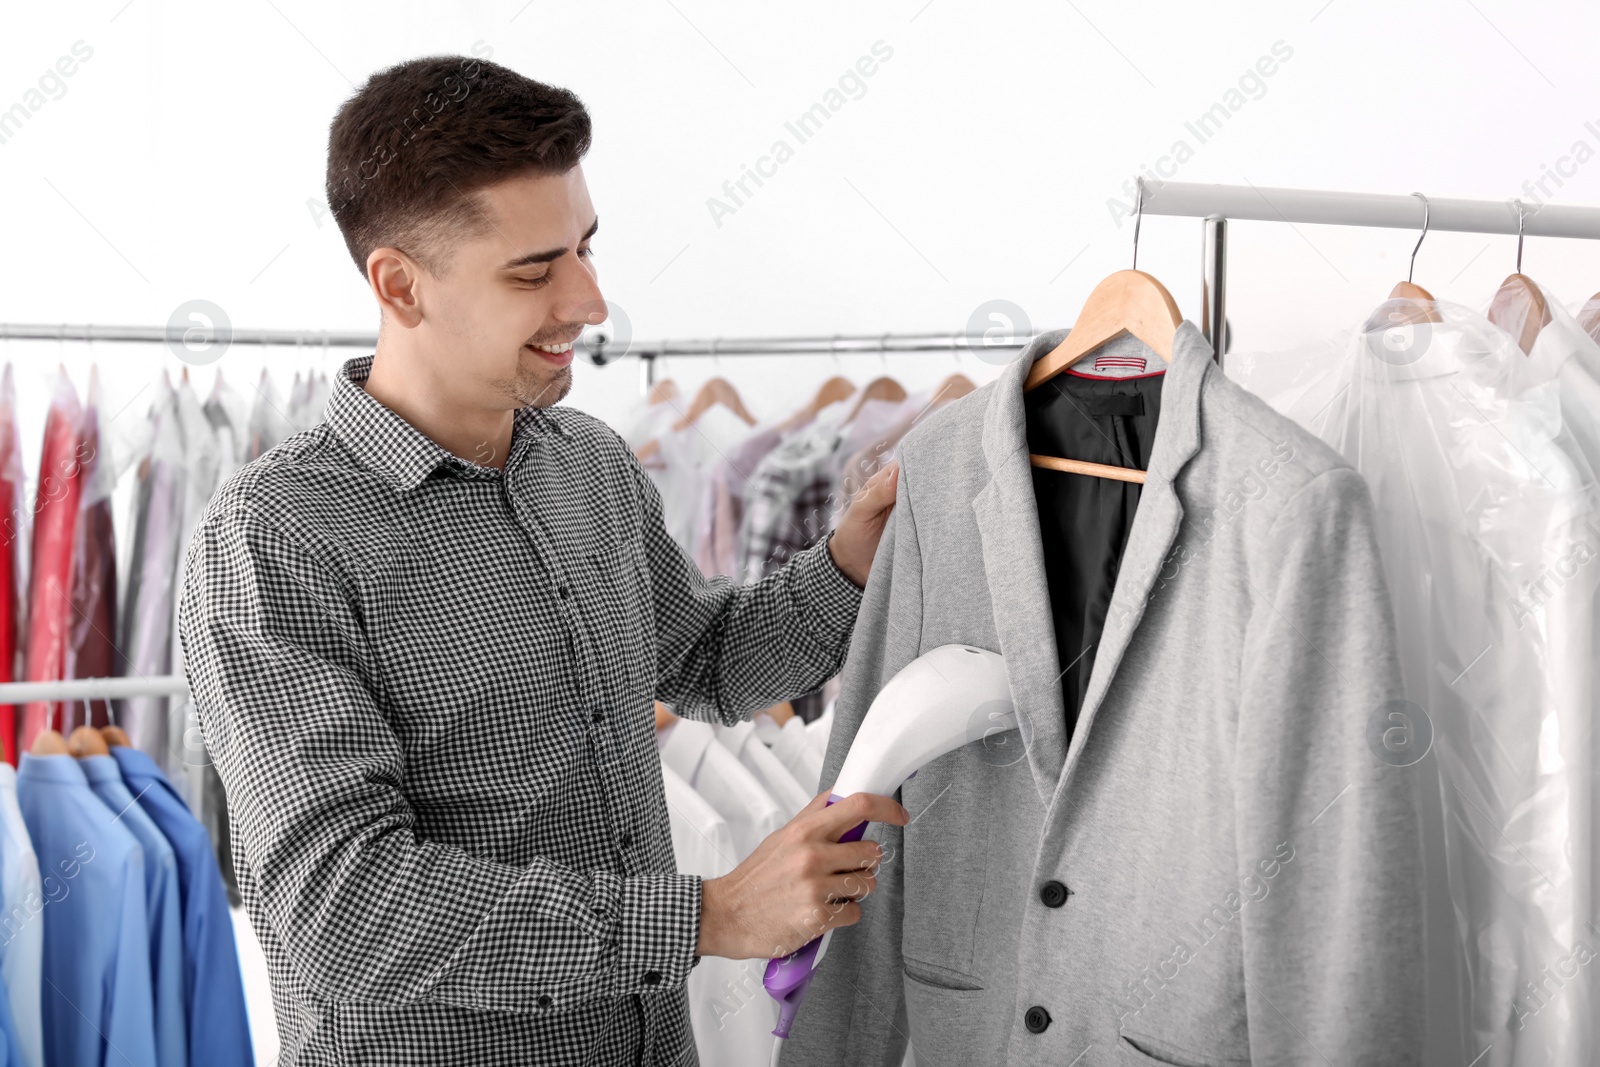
{"points": [[1326, 807], [854, 1012]]}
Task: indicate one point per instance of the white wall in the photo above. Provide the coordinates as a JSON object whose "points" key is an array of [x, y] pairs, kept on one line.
{"points": [[185, 159]]}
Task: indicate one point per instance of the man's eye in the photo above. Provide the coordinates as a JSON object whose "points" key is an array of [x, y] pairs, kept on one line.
{"points": [[586, 252], [536, 283]]}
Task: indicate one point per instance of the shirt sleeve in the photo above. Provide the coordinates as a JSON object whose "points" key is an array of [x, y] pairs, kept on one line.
{"points": [[724, 649], [367, 908], [1333, 949]]}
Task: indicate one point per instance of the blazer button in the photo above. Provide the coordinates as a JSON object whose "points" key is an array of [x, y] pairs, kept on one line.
{"points": [[1036, 1019], [1053, 893]]}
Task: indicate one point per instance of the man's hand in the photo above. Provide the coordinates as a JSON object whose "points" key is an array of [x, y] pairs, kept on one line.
{"points": [[855, 541], [798, 883]]}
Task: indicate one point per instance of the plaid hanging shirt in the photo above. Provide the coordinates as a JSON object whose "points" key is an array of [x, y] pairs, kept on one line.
{"points": [[427, 686]]}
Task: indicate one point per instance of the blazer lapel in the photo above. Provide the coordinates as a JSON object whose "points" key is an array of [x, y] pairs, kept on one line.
{"points": [[1013, 562], [1013, 557]]}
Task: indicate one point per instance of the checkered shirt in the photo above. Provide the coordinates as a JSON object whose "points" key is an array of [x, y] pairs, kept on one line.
{"points": [[427, 686], [788, 501]]}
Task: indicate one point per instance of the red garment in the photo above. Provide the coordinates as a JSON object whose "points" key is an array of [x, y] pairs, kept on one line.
{"points": [[49, 598], [13, 530], [92, 623]]}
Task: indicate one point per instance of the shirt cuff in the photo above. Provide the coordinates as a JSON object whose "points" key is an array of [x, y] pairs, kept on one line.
{"points": [[660, 930], [827, 594]]}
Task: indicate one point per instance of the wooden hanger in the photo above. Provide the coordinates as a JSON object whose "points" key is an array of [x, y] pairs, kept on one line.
{"points": [[716, 391], [954, 387], [663, 391], [884, 388], [779, 713], [831, 391], [48, 743], [1589, 317], [86, 741], [1518, 306], [116, 735]]}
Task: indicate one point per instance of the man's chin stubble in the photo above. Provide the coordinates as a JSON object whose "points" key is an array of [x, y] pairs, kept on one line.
{"points": [[536, 391]]}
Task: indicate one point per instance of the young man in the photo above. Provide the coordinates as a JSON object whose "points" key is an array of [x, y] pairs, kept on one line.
{"points": [[424, 639]]}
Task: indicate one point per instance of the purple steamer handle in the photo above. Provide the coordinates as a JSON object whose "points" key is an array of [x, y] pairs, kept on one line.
{"points": [[788, 976]]}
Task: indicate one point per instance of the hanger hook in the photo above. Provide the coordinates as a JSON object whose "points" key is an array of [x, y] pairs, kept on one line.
{"points": [[1521, 215], [1138, 216], [1412, 269]]}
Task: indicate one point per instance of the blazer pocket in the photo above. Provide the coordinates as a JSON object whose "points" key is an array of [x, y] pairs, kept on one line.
{"points": [[938, 981], [1146, 1049]]}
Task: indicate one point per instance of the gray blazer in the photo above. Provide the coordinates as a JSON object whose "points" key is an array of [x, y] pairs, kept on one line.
{"points": [[1221, 865]]}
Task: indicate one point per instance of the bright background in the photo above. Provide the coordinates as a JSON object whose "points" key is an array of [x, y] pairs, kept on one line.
{"points": [[184, 160]]}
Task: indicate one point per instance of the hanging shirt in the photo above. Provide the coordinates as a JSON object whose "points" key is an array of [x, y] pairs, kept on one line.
{"points": [[795, 749], [785, 790], [1103, 409], [690, 748], [96, 970], [213, 986], [21, 928], [1482, 516], [731, 1012], [55, 513], [681, 462], [162, 910], [14, 524], [146, 641], [92, 627]]}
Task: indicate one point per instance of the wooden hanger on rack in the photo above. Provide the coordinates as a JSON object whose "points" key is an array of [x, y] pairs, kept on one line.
{"points": [[716, 391], [1127, 302], [954, 387], [86, 741], [1589, 317], [663, 391], [116, 735], [831, 391], [664, 718], [1518, 306], [48, 743], [1415, 304], [884, 388]]}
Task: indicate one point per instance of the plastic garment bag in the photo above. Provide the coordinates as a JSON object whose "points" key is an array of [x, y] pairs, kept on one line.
{"points": [[147, 638], [92, 624], [1489, 525], [14, 527], [202, 459], [55, 514]]}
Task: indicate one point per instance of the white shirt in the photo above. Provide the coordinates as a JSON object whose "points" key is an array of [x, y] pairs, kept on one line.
{"points": [[1480, 498], [795, 749], [690, 748], [730, 1011], [22, 929], [774, 777]]}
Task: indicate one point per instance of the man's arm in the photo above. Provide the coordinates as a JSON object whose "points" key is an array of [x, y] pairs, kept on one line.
{"points": [[725, 649], [366, 908]]}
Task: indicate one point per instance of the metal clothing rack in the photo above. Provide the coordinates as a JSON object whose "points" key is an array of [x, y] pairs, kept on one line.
{"points": [[1214, 204], [93, 689]]}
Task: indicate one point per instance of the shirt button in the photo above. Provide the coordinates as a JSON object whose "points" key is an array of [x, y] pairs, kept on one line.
{"points": [[1054, 894], [544, 1000], [1036, 1019], [626, 840], [598, 716], [652, 977], [564, 592]]}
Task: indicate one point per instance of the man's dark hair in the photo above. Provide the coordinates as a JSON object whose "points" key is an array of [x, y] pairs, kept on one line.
{"points": [[410, 153]]}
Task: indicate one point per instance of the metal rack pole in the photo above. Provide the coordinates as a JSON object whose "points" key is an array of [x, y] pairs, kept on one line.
{"points": [[93, 689], [1214, 285]]}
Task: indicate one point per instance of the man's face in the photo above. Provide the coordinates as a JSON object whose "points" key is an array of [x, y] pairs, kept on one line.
{"points": [[528, 282]]}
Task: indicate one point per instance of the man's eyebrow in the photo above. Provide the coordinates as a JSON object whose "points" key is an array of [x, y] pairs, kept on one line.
{"points": [[552, 254]]}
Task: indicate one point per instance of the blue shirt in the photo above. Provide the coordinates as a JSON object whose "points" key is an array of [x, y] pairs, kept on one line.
{"points": [[161, 908], [96, 936], [219, 1026]]}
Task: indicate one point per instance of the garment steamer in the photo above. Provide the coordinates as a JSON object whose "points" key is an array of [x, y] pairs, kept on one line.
{"points": [[946, 698]]}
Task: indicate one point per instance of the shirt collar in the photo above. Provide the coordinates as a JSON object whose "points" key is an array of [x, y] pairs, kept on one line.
{"points": [[388, 444]]}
